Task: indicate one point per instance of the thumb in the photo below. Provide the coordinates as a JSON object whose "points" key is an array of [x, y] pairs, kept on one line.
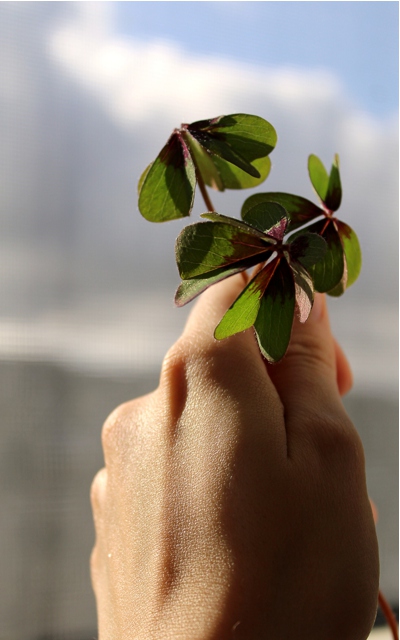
{"points": [[306, 378]]}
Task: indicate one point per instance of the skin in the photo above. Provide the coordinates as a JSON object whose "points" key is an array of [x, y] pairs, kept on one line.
{"points": [[233, 502]]}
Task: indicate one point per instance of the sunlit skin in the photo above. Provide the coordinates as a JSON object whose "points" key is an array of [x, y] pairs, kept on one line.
{"points": [[233, 502]]}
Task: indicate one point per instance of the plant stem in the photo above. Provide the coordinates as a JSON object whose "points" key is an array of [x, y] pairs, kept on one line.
{"points": [[210, 207], [389, 615], [203, 191], [324, 227]]}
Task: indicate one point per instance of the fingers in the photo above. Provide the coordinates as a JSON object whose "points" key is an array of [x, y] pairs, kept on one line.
{"points": [[210, 308], [374, 510], [240, 352], [215, 301], [312, 376], [229, 373], [308, 370], [97, 498], [344, 376]]}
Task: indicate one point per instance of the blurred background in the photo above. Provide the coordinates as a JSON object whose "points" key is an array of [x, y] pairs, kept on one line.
{"points": [[89, 94]]}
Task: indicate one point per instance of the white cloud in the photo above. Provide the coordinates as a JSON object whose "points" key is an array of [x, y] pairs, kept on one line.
{"points": [[153, 86], [138, 81]]}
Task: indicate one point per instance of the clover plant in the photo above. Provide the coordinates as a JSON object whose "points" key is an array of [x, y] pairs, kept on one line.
{"points": [[294, 246]]}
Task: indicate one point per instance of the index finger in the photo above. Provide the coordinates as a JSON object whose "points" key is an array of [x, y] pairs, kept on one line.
{"points": [[240, 352]]}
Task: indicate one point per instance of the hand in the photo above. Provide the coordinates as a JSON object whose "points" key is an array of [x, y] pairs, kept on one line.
{"points": [[233, 502]]}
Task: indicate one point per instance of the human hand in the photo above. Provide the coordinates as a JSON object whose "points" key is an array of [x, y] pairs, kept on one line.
{"points": [[233, 501]]}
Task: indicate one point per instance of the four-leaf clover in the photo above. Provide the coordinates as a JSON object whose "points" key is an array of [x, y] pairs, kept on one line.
{"points": [[207, 252], [293, 246]]}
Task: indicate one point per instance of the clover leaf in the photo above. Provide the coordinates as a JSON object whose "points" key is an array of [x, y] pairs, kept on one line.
{"points": [[207, 252], [228, 152], [342, 262]]}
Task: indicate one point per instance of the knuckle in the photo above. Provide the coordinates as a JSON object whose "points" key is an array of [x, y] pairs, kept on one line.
{"points": [[174, 380], [111, 425], [176, 357], [97, 489], [338, 439], [121, 421]]}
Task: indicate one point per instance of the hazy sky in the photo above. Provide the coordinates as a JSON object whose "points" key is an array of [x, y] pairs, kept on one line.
{"points": [[358, 41]]}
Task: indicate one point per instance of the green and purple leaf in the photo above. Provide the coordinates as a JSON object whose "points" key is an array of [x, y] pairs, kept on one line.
{"points": [[328, 272], [328, 188], [167, 189], [204, 247], [224, 150], [300, 210], [307, 248], [250, 136], [268, 217], [340, 288], [243, 226], [234, 178], [242, 314], [205, 163], [239, 140], [190, 289], [352, 258], [334, 194], [352, 251], [304, 289], [274, 321]]}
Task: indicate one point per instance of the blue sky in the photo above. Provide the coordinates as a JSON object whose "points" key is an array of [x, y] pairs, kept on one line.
{"points": [[358, 41]]}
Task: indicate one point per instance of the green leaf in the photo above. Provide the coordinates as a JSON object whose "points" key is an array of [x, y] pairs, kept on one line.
{"points": [[143, 176], [204, 163], [190, 289], [352, 251], [274, 321], [327, 273], [318, 176], [206, 246], [328, 188], [267, 217], [307, 248], [340, 288], [250, 136], [333, 196], [300, 210], [243, 312], [247, 228], [239, 139], [234, 178], [167, 190], [222, 149], [304, 289]]}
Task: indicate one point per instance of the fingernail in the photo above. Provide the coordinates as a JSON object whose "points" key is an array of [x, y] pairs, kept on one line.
{"points": [[318, 307]]}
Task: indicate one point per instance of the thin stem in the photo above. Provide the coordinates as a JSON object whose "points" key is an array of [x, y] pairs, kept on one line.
{"points": [[325, 226], [389, 615], [182, 132], [203, 191]]}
